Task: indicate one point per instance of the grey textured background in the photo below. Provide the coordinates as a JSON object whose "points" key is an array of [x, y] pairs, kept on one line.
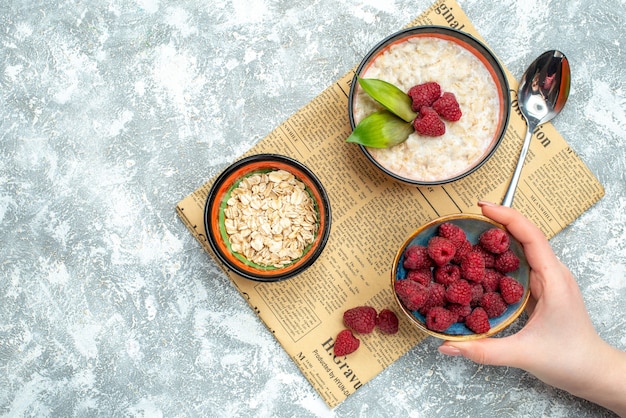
{"points": [[111, 112]]}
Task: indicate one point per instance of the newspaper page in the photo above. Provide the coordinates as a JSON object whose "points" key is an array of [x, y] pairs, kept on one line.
{"points": [[372, 215]]}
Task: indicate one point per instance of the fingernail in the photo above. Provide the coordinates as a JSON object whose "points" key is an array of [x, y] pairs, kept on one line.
{"points": [[482, 203], [449, 350]]}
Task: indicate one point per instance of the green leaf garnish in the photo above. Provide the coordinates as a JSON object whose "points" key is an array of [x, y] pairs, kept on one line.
{"points": [[389, 96], [381, 129]]}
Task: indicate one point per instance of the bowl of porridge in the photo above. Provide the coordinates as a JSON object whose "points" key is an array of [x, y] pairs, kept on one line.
{"points": [[267, 217], [472, 275], [459, 64]]}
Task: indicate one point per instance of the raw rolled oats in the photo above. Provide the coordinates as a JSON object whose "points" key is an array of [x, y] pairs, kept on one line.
{"points": [[270, 218]]}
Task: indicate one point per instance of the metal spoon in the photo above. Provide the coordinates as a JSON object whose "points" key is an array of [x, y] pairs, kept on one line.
{"points": [[541, 95]]}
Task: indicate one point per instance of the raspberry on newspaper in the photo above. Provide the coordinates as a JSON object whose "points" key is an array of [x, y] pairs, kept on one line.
{"points": [[387, 322], [345, 343], [361, 319]]}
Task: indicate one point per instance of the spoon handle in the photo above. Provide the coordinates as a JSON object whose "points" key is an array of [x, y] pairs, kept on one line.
{"points": [[510, 192]]}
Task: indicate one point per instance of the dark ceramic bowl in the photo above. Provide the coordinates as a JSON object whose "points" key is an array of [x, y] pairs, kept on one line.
{"points": [[474, 226], [220, 193], [501, 109]]}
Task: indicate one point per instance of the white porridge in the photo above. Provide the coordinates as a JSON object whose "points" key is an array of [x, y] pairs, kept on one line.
{"points": [[421, 59]]}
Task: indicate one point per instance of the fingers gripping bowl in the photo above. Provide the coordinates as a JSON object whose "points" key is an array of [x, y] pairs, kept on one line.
{"points": [[267, 217], [462, 65], [492, 282]]}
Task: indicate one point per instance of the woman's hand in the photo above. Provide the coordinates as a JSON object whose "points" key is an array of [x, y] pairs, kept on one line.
{"points": [[558, 344]]}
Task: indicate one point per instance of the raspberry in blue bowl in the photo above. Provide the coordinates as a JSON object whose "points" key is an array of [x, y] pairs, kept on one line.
{"points": [[461, 277]]}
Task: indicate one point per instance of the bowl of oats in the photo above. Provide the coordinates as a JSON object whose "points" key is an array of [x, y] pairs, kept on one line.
{"points": [[267, 217], [455, 105], [461, 277]]}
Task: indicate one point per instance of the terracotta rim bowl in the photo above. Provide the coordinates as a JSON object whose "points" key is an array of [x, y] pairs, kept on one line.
{"points": [[219, 195], [475, 47]]}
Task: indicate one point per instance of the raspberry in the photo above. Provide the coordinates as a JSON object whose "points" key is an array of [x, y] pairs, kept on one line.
{"points": [[424, 94], [447, 274], [453, 232], [361, 319], [459, 292], [428, 123], [436, 297], [494, 240], [511, 290], [460, 282], [447, 107], [477, 292], [490, 258], [493, 304], [491, 281], [441, 250], [387, 322], [412, 294], [507, 262], [422, 276], [461, 251], [478, 321], [461, 311], [473, 267], [439, 319], [436, 294], [345, 343], [416, 257]]}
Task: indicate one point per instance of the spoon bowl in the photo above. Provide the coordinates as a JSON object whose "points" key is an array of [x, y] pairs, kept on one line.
{"points": [[542, 93]]}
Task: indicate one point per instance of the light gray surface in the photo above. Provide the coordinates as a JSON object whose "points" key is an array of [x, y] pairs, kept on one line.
{"points": [[111, 112]]}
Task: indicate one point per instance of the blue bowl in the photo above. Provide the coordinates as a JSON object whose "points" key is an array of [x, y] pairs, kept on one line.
{"points": [[474, 226]]}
